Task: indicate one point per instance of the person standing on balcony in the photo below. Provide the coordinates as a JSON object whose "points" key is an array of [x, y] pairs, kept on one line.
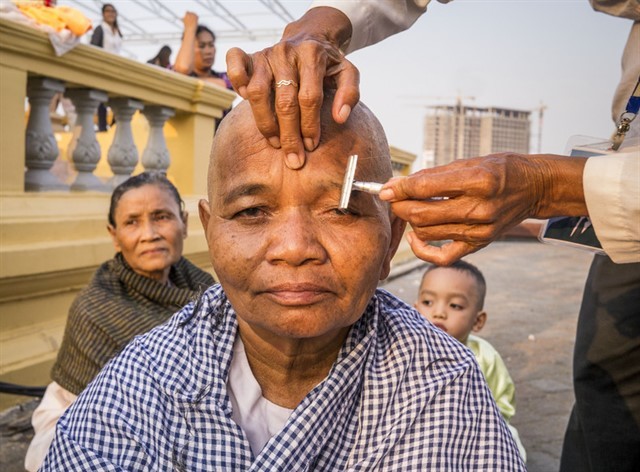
{"points": [[198, 53], [109, 37], [141, 287]]}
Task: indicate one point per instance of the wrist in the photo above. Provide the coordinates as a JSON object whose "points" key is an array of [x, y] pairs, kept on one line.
{"points": [[321, 23], [558, 185]]}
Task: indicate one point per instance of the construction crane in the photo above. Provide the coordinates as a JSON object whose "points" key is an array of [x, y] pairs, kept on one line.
{"points": [[540, 109], [429, 98]]}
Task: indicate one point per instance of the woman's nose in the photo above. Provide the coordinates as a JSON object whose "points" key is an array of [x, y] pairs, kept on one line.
{"points": [[295, 240], [148, 229]]}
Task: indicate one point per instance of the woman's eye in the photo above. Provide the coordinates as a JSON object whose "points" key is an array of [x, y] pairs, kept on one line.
{"points": [[345, 212], [253, 212]]}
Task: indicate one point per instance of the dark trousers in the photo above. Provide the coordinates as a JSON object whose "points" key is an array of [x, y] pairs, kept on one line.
{"points": [[603, 434], [102, 117]]}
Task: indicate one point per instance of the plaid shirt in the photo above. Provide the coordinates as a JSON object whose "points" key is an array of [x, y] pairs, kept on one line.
{"points": [[402, 396]]}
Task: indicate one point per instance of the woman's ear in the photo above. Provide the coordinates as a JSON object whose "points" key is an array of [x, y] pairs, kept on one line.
{"points": [[185, 220], [397, 231], [114, 239], [205, 215]]}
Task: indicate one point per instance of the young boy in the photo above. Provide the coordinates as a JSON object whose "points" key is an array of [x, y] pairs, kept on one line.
{"points": [[452, 298]]}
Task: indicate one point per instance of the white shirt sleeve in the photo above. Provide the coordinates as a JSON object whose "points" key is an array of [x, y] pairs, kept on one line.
{"points": [[374, 20], [54, 403], [612, 193]]}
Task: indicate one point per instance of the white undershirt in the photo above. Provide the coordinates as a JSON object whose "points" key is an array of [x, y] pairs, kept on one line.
{"points": [[259, 418], [111, 40]]}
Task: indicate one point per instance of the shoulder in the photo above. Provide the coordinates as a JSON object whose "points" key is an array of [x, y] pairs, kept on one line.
{"points": [[103, 290], [181, 355], [488, 357], [483, 349], [223, 76]]}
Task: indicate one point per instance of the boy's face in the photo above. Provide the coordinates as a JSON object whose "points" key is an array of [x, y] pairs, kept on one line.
{"points": [[448, 298]]}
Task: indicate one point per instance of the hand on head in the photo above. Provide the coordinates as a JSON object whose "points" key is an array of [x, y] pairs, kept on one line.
{"points": [[307, 58]]}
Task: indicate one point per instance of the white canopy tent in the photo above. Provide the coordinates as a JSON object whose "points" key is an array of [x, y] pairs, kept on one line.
{"points": [[146, 25]]}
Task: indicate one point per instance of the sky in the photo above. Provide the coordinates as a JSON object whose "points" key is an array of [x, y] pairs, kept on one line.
{"points": [[508, 53]]}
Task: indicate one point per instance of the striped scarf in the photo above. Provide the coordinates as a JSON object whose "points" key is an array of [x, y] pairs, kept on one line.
{"points": [[117, 305]]}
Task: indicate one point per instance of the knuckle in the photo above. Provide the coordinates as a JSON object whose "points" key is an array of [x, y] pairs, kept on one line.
{"points": [[258, 91], [310, 48], [310, 100], [286, 104], [483, 233]]}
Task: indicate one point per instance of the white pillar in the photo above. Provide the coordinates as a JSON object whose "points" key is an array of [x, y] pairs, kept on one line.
{"points": [[123, 155], [84, 149], [155, 156], [41, 149]]}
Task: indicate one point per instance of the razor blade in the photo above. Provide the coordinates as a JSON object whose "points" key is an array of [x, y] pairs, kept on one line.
{"points": [[349, 184]]}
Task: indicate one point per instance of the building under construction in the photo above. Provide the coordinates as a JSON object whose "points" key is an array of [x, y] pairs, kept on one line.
{"points": [[459, 131]]}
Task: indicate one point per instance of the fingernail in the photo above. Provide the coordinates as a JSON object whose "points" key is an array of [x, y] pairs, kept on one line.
{"points": [[344, 113], [294, 161], [309, 144], [386, 194], [242, 91], [275, 142]]}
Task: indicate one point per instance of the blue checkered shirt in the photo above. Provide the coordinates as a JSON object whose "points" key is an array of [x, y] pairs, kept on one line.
{"points": [[402, 396]]}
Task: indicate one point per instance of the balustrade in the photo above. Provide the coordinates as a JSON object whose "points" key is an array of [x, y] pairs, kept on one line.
{"points": [[84, 149], [41, 149]]}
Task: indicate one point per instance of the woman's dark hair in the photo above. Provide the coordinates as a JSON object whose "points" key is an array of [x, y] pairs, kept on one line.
{"points": [[137, 181], [115, 22], [202, 28], [163, 50]]}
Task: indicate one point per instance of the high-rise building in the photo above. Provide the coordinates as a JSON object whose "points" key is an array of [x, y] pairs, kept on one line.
{"points": [[460, 131]]}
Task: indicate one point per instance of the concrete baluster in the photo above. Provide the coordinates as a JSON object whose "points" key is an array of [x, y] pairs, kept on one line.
{"points": [[84, 149], [41, 149], [155, 156], [123, 154]]}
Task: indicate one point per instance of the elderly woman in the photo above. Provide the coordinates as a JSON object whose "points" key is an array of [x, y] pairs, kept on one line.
{"points": [[141, 287], [295, 362]]}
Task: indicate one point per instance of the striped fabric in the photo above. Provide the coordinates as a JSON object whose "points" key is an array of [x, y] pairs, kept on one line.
{"points": [[117, 305], [401, 396]]}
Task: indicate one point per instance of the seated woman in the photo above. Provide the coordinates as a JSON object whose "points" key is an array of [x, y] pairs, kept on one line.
{"points": [[141, 287], [198, 52]]}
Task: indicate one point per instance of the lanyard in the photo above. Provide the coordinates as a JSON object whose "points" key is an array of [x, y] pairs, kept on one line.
{"points": [[624, 123]]}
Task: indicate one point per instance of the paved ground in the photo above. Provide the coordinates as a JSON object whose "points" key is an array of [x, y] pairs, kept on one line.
{"points": [[533, 297], [534, 293]]}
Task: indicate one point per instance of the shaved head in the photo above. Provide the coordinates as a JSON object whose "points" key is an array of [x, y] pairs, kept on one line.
{"points": [[238, 138]]}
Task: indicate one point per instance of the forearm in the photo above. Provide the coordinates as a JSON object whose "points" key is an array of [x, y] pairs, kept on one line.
{"points": [[558, 184], [373, 21], [186, 54]]}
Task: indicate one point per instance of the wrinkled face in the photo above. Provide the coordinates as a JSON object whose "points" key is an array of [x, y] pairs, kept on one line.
{"points": [[149, 231], [289, 260], [205, 51], [449, 299]]}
